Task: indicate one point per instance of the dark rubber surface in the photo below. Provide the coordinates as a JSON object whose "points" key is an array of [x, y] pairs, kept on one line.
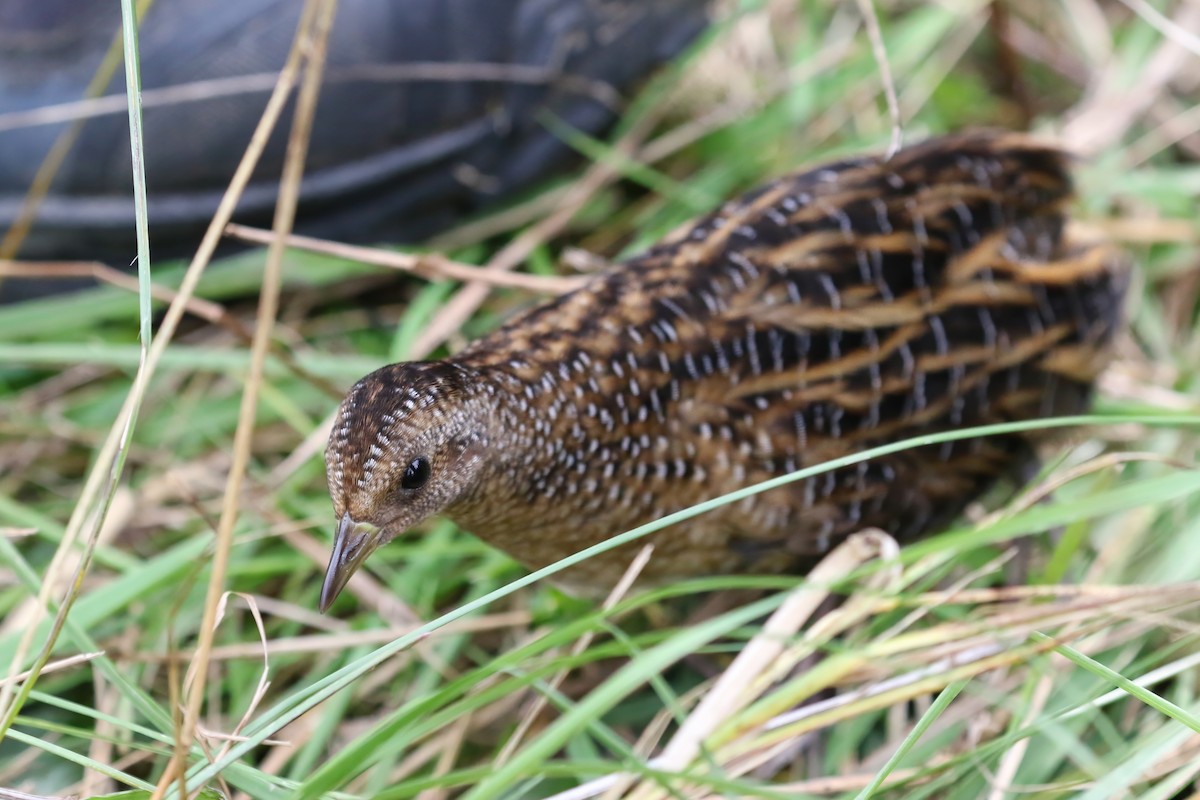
{"points": [[389, 153]]}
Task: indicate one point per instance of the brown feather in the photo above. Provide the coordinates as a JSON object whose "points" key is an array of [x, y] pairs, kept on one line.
{"points": [[832, 310]]}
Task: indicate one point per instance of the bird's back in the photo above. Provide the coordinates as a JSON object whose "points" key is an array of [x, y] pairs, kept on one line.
{"points": [[829, 311]]}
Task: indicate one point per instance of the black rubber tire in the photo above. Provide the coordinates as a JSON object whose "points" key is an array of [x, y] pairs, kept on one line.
{"points": [[387, 155]]}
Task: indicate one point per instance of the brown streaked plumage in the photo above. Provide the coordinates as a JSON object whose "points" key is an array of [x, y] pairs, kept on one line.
{"points": [[862, 302]]}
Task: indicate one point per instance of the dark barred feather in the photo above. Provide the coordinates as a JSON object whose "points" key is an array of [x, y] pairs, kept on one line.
{"points": [[863, 302]]}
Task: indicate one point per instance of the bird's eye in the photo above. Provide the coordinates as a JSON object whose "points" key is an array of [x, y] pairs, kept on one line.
{"points": [[417, 474]]}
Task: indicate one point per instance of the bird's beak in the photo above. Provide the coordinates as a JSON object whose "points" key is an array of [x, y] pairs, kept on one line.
{"points": [[353, 543]]}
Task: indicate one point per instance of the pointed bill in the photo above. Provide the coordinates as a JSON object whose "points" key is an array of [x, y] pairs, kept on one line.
{"points": [[351, 546]]}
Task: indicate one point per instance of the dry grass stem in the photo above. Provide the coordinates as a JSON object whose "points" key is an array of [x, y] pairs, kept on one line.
{"points": [[879, 50], [54, 666], [427, 265], [198, 306], [258, 83], [311, 41]]}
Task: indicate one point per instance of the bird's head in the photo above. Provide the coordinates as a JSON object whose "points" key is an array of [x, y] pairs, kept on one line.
{"points": [[407, 442]]}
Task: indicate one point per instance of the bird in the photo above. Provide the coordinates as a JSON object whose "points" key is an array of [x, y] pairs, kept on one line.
{"points": [[856, 303]]}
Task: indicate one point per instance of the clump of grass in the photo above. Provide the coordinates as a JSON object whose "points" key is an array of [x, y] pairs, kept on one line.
{"points": [[946, 673]]}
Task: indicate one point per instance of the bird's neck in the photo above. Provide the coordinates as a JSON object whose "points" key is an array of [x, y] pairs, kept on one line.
{"points": [[533, 442]]}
